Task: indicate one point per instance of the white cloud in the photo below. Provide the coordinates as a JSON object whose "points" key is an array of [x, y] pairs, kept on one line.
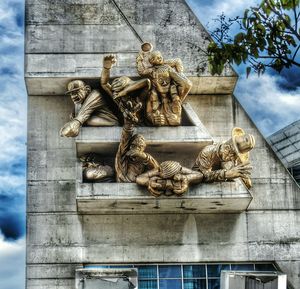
{"points": [[208, 10], [12, 90], [12, 260], [271, 106]]}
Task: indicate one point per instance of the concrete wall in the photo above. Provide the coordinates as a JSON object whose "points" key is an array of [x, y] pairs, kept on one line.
{"points": [[63, 42], [59, 238]]}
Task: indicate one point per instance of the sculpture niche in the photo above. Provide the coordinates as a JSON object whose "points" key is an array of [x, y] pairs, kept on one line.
{"points": [[155, 100], [161, 91], [94, 109], [219, 162]]}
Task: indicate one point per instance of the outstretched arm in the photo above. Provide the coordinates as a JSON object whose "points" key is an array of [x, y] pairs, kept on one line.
{"points": [[108, 62]]}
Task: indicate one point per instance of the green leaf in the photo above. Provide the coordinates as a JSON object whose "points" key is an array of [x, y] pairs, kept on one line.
{"points": [[239, 37]]}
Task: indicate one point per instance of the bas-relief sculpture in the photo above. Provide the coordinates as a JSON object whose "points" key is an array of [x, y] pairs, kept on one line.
{"points": [[156, 100]]}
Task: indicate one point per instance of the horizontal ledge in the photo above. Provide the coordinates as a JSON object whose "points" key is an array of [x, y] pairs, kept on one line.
{"points": [[55, 83], [105, 140], [109, 198]]}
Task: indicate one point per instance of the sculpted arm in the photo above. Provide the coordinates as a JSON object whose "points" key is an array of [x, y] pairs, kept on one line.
{"points": [[142, 70], [108, 62], [205, 163], [184, 84]]}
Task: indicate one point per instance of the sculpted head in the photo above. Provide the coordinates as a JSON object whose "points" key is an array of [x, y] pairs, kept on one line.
{"points": [[169, 169], [120, 83], [78, 91], [245, 143], [156, 58], [97, 172], [138, 143], [242, 143]]}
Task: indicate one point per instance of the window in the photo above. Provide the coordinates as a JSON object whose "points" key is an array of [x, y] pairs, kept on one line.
{"points": [[187, 276]]}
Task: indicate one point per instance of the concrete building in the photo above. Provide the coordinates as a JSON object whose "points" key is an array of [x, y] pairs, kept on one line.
{"points": [[286, 145], [173, 242]]}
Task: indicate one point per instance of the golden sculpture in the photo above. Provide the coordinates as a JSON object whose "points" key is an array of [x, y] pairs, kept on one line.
{"points": [[122, 89], [94, 110], [228, 160], [169, 86], [169, 178], [131, 159], [94, 170]]}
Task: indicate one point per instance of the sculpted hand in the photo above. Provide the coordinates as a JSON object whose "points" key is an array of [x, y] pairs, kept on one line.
{"points": [[109, 61], [239, 171], [71, 128], [130, 110], [159, 119], [182, 188]]}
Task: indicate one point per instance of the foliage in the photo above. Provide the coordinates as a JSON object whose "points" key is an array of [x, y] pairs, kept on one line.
{"points": [[269, 37]]}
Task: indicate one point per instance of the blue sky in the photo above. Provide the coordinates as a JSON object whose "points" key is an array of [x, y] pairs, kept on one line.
{"points": [[272, 101]]}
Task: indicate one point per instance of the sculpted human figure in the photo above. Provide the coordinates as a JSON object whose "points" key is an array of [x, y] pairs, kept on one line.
{"points": [[168, 179], [93, 111], [121, 88], [131, 158], [227, 160], [169, 86], [94, 170]]}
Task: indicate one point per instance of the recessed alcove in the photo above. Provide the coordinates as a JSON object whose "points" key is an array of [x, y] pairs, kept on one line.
{"points": [[182, 143]]}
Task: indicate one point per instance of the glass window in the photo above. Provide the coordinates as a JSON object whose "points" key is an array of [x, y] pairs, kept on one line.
{"points": [[215, 270], [147, 284], [147, 272], [194, 284], [170, 284], [213, 283], [242, 267], [194, 271], [170, 271], [265, 267]]}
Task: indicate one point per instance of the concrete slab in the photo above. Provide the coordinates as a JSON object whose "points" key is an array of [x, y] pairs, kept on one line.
{"points": [[161, 141], [113, 198]]}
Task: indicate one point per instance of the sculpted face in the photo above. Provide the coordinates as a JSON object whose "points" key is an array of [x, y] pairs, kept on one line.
{"points": [[156, 58], [139, 143], [79, 95], [245, 142]]}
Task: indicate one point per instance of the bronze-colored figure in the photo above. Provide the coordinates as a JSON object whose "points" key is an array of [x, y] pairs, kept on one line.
{"points": [[169, 178], [228, 160], [121, 88], [131, 159], [93, 111], [94, 170], [169, 86]]}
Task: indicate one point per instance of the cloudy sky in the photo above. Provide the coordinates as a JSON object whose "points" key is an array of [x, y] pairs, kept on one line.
{"points": [[273, 101]]}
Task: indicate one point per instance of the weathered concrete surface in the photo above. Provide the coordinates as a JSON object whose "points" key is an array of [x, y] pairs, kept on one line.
{"points": [[58, 237], [57, 234], [81, 32], [129, 198]]}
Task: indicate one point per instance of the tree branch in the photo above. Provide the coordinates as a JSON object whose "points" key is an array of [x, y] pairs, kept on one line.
{"points": [[283, 20]]}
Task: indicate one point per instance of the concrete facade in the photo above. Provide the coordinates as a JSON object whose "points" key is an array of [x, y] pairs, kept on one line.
{"points": [[67, 40]]}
